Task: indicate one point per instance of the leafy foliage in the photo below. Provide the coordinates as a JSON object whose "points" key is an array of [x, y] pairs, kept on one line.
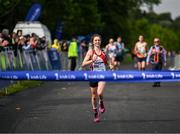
{"points": [[107, 17]]}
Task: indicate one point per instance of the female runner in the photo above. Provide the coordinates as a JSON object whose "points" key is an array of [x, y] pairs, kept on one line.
{"points": [[97, 60]]}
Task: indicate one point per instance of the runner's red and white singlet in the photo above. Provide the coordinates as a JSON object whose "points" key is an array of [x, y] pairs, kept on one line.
{"points": [[100, 63]]}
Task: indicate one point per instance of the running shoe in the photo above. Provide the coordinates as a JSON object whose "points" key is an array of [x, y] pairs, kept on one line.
{"points": [[96, 116], [96, 119], [101, 107]]}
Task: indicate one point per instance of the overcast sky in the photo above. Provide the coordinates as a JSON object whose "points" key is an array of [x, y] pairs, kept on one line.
{"points": [[172, 6]]}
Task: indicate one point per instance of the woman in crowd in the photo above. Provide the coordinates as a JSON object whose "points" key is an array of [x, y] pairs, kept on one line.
{"points": [[111, 51]]}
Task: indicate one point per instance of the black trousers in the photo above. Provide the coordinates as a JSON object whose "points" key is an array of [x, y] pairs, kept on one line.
{"points": [[73, 63], [157, 67]]}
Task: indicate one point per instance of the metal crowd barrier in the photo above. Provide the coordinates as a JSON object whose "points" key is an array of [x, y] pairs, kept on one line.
{"points": [[29, 59], [177, 62]]}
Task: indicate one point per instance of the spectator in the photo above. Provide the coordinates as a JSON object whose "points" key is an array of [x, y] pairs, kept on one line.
{"points": [[73, 54], [64, 53], [157, 57], [56, 45]]}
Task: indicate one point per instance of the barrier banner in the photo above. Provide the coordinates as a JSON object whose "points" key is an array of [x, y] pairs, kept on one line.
{"points": [[121, 76], [54, 58]]}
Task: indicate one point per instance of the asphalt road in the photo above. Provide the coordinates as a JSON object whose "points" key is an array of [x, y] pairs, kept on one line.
{"points": [[65, 107]]}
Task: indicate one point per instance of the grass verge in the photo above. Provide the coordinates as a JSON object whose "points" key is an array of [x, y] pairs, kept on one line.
{"points": [[19, 86]]}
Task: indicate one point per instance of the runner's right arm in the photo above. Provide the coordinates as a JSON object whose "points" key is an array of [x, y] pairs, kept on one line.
{"points": [[88, 59]]}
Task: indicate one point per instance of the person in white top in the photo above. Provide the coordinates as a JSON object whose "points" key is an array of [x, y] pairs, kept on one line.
{"points": [[97, 61], [111, 51], [140, 50]]}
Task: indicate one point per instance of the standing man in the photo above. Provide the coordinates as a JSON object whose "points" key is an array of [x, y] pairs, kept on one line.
{"points": [[73, 54], [120, 52], [157, 57]]}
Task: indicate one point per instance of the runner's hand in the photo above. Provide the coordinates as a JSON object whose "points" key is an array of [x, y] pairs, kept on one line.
{"points": [[94, 58], [165, 64]]}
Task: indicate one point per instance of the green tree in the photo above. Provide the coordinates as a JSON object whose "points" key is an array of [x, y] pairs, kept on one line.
{"points": [[78, 16], [7, 8], [176, 24], [167, 36], [116, 15]]}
